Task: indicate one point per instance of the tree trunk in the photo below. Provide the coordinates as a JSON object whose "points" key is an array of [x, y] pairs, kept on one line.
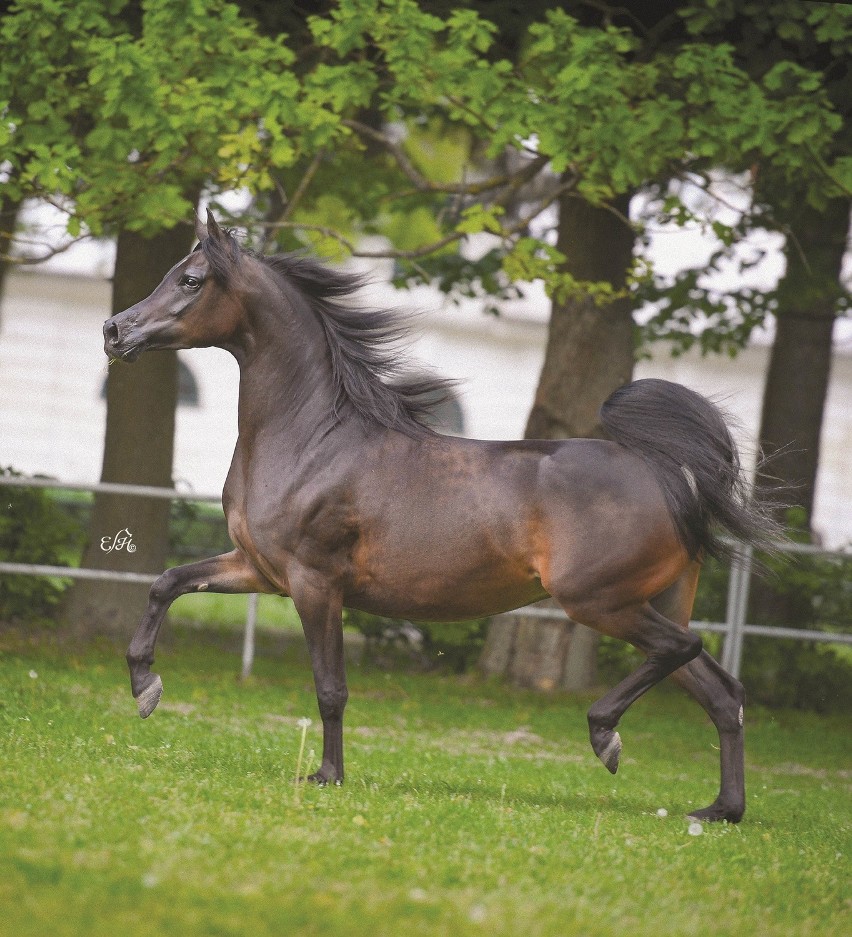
{"points": [[590, 348], [138, 449], [800, 363], [9, 208], [791, 423], [590, 352], [540, 652]]}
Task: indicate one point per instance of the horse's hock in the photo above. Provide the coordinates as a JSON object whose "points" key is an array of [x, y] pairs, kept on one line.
{"points": [[540, 653]]}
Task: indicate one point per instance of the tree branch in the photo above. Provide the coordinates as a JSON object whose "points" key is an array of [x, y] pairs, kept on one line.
{"points": [[18, 261], [303, 185], [422, 184], [506, 233], [819, 162], [389, 253]]}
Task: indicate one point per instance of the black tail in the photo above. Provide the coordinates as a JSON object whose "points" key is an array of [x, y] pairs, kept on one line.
{"points": [[686, 441]]}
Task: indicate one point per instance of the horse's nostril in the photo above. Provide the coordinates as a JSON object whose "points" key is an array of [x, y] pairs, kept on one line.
{"points": [[111, 332]]}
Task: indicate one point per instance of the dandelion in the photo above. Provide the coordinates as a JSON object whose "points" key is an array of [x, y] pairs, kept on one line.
{"points": [[33, 675], [478, 914], [304, 724], [695, 828], [662, 812]]}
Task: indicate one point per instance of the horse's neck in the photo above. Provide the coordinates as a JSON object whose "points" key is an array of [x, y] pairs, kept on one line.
{"points": [[286, 388]]}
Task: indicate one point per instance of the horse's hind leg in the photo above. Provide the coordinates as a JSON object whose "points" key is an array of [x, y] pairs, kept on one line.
{"points": [[721, 696], [666, 643], [230, 572], [667, 647]]}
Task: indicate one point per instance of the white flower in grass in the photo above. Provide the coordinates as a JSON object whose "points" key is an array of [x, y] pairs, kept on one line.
{"points": [[478, 914], [303, 724], [695, 828], [33, 675], [662, 812]]}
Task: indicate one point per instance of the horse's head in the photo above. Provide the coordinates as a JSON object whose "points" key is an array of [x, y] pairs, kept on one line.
{"points": [[191, 307]]}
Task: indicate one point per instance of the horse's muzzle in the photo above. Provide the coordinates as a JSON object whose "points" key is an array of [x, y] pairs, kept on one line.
{"points": [[117, 347]]}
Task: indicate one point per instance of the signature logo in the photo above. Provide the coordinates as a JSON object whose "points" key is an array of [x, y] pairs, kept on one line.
{"points": [[123, 540]]}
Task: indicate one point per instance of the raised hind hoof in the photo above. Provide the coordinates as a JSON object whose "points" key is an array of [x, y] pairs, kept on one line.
{"points": [[607, 746], [717, 812], [149, 697]]}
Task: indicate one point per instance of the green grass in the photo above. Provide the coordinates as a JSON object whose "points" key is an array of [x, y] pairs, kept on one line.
{"points": [[229, 611], [468, 809]]}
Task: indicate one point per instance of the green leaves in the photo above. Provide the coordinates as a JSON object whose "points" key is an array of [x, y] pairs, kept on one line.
{"points": [[479, 217], [121, 118], [399, 122]]}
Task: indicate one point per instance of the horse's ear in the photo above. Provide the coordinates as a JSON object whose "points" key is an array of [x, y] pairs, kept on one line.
{"points": [[213, 229], [200, 230]]}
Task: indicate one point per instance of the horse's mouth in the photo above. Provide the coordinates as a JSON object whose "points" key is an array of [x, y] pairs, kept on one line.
{"points": [[129, 354]]}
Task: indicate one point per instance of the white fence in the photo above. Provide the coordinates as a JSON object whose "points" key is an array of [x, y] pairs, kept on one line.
{"points": [[734, 628]]}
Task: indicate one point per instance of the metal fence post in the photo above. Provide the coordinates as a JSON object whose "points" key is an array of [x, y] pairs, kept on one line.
{"points": [[735, 616], [248, 637]]}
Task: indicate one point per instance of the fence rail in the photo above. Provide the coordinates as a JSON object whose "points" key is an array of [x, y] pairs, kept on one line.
{"points": [[735, 628], [110, 488]]}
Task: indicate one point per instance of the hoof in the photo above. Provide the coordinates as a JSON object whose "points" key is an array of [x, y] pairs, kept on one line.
{"points": [[606, 744], [610, 755], [715, 813], [322, 781], [149, 697]]}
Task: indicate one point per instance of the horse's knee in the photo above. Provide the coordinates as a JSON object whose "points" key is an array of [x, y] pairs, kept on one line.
{"points": [[678, 649], [692, 646], [722, 696], [730, 712], [163, 588], [332, 702]]}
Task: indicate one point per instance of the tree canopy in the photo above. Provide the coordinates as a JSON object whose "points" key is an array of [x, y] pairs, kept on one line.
{"points": [[386, 118]]}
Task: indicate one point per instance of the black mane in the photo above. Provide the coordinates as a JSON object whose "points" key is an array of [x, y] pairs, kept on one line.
{"points": [[368, 368]]}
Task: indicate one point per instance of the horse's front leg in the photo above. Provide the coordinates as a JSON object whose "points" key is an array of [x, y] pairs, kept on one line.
{"points": [[321, 609], [230, 572]]}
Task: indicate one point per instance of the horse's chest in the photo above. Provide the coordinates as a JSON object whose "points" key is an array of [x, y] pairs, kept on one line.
{"points": [[280, 526]]}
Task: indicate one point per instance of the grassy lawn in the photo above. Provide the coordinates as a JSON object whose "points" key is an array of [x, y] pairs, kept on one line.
{"points": [[468, 809], [229, 611]]}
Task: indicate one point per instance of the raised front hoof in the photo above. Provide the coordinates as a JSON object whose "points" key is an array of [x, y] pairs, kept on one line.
{"points": [[717, 812], [148, 698], [607, 746]]}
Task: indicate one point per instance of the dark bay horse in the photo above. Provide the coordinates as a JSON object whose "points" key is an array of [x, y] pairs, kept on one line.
{"points": [[339, 495]]}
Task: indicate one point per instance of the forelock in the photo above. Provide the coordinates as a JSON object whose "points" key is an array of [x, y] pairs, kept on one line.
{"points": [[222, 254]]}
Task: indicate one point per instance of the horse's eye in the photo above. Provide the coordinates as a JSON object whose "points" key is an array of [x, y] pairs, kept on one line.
{"points": [[191, 283]]}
